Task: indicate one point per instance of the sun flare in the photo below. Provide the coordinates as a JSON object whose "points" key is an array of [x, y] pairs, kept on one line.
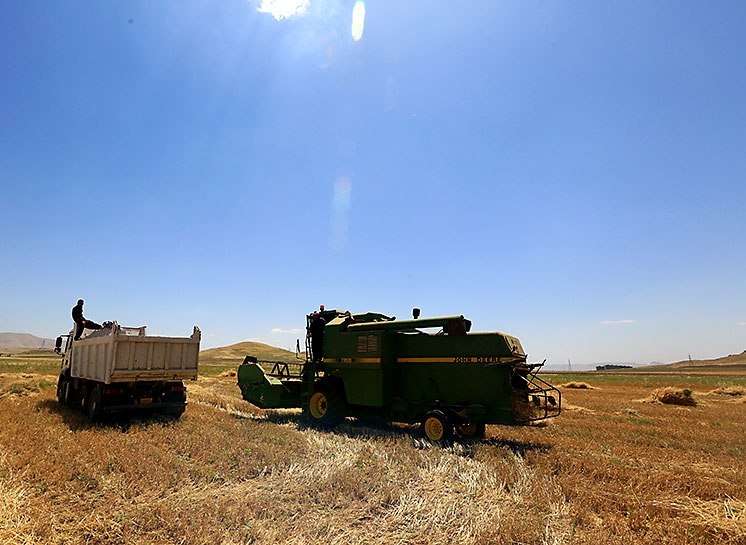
{"points": [[283, 9], [358, 20]]}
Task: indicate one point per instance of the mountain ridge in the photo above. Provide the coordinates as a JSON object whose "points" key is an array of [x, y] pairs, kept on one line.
{"points": [[240, 350], [24, 340]]}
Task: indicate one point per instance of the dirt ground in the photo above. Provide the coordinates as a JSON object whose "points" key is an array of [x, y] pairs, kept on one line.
{"points": [[617, 466]]}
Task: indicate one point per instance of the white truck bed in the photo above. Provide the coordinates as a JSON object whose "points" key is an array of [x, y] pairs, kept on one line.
{"points": [[125, 354]]}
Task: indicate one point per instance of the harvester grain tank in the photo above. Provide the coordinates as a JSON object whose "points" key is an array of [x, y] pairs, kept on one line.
{"points": [[375, 366]]}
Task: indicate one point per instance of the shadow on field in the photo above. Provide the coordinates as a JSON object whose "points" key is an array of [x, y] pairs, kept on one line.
{"points": [[519, 448], [381, 430], [76, 420]]}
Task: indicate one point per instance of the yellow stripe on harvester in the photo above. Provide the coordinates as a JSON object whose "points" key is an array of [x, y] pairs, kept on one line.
{"points": [[458, 359], [352, 360]]}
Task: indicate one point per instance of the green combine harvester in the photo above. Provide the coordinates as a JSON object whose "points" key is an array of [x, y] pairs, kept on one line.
{"points": [[447, 379]]}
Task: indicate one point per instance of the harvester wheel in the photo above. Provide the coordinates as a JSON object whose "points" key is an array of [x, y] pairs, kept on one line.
{"points": [[437, 427], [471, 429], [326, 408]]}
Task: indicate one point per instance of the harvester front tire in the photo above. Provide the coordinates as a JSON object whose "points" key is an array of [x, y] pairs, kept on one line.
{"points": [[326, 408], [437, 427]]}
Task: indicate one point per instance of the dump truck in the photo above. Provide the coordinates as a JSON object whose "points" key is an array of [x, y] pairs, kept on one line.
{"points": [[122, 369], [433, 372]]}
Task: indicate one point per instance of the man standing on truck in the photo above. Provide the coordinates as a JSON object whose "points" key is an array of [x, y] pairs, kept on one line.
{"points": [[80, 322], [316, 332]]}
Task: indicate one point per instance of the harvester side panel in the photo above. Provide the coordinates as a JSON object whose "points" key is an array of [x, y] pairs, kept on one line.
{"points": [[363, 382], [489, 348]]}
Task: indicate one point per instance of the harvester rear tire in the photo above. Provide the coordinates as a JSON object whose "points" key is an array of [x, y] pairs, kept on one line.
{"points": [[437, 427], [471, 429], [326, 407]]}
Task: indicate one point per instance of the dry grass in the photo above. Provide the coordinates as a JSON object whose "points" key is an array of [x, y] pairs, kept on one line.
{"points": [[573, 384], [673, 396], [733, 391], [575, 408], [228, 473]]}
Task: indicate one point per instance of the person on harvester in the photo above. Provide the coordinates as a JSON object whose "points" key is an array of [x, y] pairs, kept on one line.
{"points": [[316, 332]]}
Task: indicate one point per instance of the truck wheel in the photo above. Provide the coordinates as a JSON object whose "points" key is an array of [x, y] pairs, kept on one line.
{"points": [[93, 408], [437, 427], [471, 429], [61, 382], [83, 399], [67, 392], [174, 412], [326, 408]]}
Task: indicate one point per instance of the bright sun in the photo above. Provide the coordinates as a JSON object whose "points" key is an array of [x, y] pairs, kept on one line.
{"points": [[282, 9]]}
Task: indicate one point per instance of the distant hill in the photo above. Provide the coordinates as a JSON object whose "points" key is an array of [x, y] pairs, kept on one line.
{"points": [[237, 352], [733, 359], [9, 341]]}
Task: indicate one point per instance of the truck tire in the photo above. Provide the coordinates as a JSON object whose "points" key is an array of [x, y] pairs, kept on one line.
{"points": [[61, 382], [67, 392], [83, 399], [174, 412], [437, 427], [326, 407], [93, 409]]}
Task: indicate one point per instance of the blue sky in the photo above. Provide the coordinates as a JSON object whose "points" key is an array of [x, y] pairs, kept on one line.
{"points": [[573, 173]]}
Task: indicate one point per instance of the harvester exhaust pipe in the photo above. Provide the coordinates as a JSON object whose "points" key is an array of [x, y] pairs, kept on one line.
{"points": [[415, 313]]}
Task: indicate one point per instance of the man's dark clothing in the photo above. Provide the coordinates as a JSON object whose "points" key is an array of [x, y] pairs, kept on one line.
{"points": [[78, 314], [317, 338], [81, 323]]}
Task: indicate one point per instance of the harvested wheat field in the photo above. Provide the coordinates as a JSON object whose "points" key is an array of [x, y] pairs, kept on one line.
{"points": [[617, 468]]}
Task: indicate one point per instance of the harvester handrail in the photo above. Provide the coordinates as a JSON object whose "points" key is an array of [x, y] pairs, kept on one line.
{"points": [[545, 397]]}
